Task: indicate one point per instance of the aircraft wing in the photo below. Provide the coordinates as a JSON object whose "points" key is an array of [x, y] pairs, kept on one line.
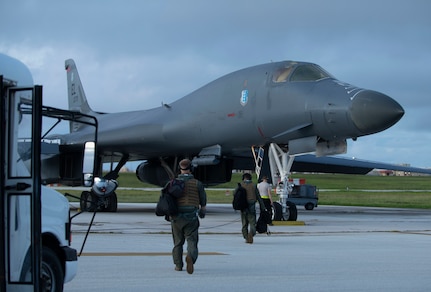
{"points": [[337, 164]]}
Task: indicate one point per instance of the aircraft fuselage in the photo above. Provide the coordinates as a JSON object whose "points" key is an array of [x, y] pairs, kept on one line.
{"points": [[253, 106]]}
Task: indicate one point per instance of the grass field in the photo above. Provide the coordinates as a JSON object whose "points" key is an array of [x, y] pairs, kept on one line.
{"points": [[334, 189]]}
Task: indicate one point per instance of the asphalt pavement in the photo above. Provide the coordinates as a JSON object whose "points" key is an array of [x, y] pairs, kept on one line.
{"points": [[330, 248]]}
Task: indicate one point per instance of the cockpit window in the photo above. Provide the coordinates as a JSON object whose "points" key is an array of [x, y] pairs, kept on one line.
{"points": [[302, 72], [308, 73], [282, 74]]}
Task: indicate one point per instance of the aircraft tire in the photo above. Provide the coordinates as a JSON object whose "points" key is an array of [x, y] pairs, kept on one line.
{"points": [[112, 203], [276, 211], [88, 201], [293, 211]]}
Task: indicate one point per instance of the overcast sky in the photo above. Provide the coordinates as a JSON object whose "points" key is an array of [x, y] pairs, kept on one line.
{"points": [[134, 54]]}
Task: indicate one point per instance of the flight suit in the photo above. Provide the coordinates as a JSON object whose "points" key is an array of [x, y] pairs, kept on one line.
{"points": [[185, 225], [248, 216]]}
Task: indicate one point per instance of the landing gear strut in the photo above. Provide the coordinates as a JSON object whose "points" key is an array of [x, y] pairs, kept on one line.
{"points": [[280, 163]]}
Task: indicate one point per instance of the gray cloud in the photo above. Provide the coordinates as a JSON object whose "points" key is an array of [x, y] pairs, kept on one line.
{"points": [[146, 52]]}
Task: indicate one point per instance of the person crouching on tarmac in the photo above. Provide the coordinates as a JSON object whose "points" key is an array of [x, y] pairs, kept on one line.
{"points": [[248, 216], [185, 224]]}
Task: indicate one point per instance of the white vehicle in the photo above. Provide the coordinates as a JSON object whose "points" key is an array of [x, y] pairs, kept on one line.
{"points": [[35, 237], [59, 262]]}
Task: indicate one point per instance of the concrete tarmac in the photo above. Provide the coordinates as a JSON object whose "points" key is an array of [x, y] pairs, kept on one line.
{"points": [[335, 249]]}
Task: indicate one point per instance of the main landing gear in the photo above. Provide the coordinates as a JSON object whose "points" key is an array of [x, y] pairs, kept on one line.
{"points": [[102, 196]]}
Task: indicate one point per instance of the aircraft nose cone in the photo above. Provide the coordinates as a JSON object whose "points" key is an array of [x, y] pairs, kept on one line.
{"points": [[373, 111]]}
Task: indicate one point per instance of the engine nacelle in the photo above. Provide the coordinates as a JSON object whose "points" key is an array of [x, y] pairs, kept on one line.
{"points": [[152, 173]]}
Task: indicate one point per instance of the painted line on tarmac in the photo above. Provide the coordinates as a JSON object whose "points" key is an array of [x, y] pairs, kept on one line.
{"points": [[290, 223], [144, 254]]}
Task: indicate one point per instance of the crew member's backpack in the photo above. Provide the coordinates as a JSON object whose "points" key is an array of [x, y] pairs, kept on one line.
{"points": [[175, 187], [167, 204], [239, 201]]}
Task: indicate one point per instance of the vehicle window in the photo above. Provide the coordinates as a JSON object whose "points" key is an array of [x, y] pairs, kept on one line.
{"points": [[308, 73]]}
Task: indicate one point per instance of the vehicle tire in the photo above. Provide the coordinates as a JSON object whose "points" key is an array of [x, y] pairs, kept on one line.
{"points": [[88, 201], [51, 273], [309, 206], [276, 211], [292, 211]]}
